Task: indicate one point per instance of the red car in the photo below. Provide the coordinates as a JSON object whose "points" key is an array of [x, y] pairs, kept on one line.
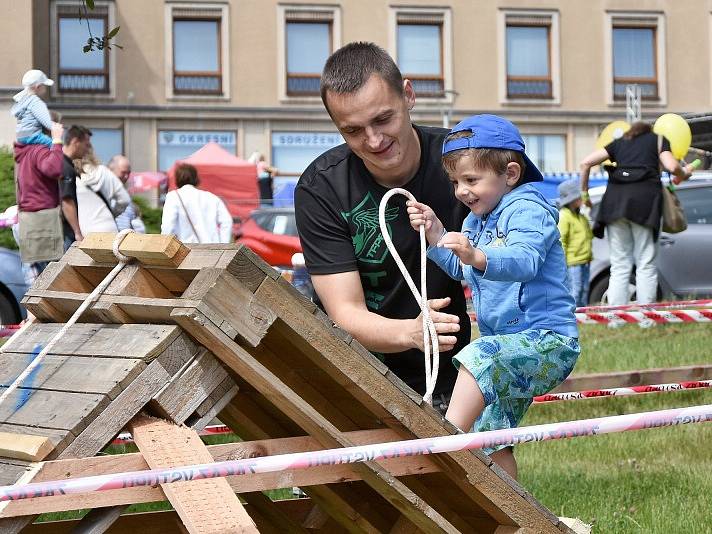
{"points": [[272, 234]]}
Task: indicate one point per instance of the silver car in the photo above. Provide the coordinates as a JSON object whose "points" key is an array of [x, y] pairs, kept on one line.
{"points": [[684, 260]]}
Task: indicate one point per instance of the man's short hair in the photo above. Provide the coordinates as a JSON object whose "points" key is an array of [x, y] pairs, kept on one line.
{"points": [[350, 67], [186, 174], [76, 132]]}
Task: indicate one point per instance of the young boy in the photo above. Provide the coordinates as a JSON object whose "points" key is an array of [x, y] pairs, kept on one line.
{"points": [[510, 255], [576, 237], [31, 112]]}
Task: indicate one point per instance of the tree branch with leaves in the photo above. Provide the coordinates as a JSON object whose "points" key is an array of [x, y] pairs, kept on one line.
{"points": [[96, 42]]}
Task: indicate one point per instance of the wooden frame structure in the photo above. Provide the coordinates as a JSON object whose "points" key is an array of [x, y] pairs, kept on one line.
{"points": [[187, 333]]}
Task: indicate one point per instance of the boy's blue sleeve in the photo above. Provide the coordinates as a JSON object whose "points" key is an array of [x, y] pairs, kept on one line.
{"points": [[447, 261], [530, 233]]}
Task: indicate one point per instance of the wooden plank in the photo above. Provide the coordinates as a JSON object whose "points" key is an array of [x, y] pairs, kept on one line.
{"points": [[135, 280], [204, 506], [213, 405], [507, 502], [138, 309], [149, 249], [186, 391], [59, 438], [235, 304], [97, 340], [79, 374], [111, 421], [51, 409], [168, 522], [62, 277], [24, 446], [306, 416], [639, 377]]}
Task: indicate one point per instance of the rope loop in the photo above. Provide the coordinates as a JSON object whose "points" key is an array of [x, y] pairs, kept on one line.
{"points": [[430, 336]]}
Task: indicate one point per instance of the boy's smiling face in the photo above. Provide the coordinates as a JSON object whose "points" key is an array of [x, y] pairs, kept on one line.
{"points": [[482, 189]]}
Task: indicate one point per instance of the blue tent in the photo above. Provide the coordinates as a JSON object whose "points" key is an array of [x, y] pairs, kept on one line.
{"points": [[552, 181]]}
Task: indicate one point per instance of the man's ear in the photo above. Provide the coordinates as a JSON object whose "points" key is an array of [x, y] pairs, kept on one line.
{"points": [[514, 172], [409, 93]]}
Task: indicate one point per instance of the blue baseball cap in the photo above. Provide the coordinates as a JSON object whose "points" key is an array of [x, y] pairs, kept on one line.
{"points": [[492, 131]]}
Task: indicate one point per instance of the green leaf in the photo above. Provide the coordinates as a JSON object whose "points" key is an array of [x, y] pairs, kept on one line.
{"points": [[87, 48], [113, 32], [89, 3]]}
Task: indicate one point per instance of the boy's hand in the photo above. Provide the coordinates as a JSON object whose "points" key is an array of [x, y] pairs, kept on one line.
{"points": [[57, 132], [421, 214], [463, 249]]}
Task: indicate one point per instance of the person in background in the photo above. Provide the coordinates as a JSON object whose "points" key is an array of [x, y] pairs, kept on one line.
{"points": [[77, 141], [131, 216], [31, 112], [631, 207], [38, 173], [193, 215], [265, 173], [101, 196], [577, 240]]}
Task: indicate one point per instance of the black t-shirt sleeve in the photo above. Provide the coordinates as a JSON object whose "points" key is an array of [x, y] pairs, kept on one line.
{"points": [[68, 187], [612, 149], [666, 145], [323, 233]]}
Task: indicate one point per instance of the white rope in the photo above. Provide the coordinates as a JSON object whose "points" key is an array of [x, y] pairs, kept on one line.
{"points": [[123, 260], [430, 336]]}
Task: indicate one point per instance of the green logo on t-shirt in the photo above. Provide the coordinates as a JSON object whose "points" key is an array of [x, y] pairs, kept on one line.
{"points": [[369, 245]]}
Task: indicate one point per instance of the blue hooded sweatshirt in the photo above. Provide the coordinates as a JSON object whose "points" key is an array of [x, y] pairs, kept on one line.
{"points": [[524, 284]]}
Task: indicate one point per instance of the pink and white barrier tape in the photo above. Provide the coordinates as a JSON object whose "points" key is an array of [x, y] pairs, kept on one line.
{"points": [[652, 305], [646, 316], [622, 392], [643, 317], [7, 330], [362, 453], [126, 437]]}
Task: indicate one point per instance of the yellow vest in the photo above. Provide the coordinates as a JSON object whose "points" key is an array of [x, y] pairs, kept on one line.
{"points": [[576, 237]]}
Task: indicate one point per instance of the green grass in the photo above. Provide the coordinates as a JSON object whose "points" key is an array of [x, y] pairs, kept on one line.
{"points": [[655, 481]]}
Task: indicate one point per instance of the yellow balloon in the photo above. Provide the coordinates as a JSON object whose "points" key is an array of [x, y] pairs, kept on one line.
{"points": [[677, 131], [612, 132]]}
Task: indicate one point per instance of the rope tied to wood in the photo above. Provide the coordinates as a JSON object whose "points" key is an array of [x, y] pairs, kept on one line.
{"points": [[98, 290], [430, 335]]}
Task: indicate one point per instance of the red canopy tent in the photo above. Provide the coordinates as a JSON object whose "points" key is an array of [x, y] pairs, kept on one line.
{"points": [[231, 178]]}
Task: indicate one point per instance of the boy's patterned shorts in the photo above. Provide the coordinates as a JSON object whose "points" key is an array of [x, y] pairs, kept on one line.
{"points": [[512, 369]]}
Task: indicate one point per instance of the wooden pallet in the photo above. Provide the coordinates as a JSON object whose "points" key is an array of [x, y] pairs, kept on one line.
{"points": [[292, 381]]}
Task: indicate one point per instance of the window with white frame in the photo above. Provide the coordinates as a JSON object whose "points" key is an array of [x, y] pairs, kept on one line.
{"points": [[528, 42], [634, 46], [547, 152], [420, 50], [308, 44], [78, 71], [198, 54]]}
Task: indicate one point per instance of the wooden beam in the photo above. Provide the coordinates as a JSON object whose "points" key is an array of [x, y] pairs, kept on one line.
{"points": [[149, 249], [98, 465], [233, 355], [638, 377], [204, 506], [24, 446]]}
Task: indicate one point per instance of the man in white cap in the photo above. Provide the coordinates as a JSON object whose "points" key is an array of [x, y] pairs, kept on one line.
{"points": [[30, 110]]}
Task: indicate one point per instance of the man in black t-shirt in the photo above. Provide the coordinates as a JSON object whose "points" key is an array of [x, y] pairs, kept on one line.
{"points": [[336, 202], [77, 142]]}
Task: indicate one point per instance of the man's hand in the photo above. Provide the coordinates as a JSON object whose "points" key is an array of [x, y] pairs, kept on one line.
{"points": [[57, 132], [446, 325], [421, 214]]}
